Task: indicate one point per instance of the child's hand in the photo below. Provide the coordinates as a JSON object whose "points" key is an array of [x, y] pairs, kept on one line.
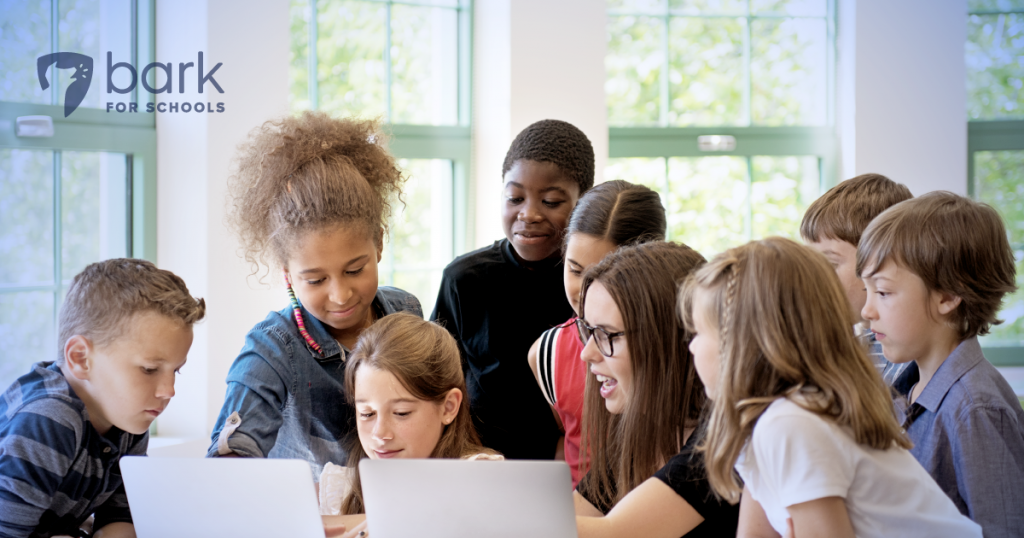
{"points": [[332, 526], [359, 531], [789, 528]]}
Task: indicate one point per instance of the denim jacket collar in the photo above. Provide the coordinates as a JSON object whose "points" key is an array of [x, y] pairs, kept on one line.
{"points": [[386, 301], [966, 356]]}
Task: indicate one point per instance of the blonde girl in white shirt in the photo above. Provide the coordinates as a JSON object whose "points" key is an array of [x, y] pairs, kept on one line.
{"points": [[800, 414], [405, 380]]}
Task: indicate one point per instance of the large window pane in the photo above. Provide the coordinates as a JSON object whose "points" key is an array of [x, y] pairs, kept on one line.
{"points": [[422, 239], [24, 36], [26, 217], [298, 55], [788, 71], [995, 66], [707, 71], [712, 206], [93, 208], [999, 182], [350, 57], [650, 173], [634, 64], [424, 64], [707, 202], [26, 323], [780, 191], [94, 27]]}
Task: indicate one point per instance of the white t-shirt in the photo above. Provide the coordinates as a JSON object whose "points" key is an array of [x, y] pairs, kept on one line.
{"points": [[795, 456]]}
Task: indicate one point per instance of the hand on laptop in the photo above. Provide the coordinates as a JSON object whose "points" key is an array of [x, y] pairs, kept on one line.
{"points": [[333, 526]]}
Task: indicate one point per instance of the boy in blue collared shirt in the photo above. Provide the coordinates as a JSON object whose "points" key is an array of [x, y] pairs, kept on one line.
{"points": [[125, 330], [936, 269]]}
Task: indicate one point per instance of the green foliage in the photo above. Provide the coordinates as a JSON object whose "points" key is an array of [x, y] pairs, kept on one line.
{"points": [[999, 182], [995, 66], [424, 61], [350, 58], [706, 72], [24, 36], [711, 204], [721, 70], [420, 245], [26, 217], [27, 326], [633, 65]]}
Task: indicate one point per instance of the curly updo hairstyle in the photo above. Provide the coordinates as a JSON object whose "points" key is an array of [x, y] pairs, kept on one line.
{"points": [[310, 172]]}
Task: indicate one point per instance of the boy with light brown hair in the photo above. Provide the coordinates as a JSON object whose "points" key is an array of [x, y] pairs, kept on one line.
{"points": [[936, 269], [833, 225], [124, 333]]}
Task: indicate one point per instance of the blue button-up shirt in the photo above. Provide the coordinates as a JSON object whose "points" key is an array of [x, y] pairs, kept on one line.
{"points": [[286, 400], [967, 427]]}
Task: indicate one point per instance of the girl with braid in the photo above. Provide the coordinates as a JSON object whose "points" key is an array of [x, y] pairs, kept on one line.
{"points": [[802, 428], [312, 195]]}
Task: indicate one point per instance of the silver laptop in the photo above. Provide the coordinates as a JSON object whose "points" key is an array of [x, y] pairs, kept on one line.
{"points": [[221, 497], [435, 498]]}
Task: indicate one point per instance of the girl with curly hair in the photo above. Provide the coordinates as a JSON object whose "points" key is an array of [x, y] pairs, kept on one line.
{"points": [[313, 196]]}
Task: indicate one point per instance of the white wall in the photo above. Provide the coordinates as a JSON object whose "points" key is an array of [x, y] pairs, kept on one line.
{"points": [[902, 91], [533, 60], [194, 152]]}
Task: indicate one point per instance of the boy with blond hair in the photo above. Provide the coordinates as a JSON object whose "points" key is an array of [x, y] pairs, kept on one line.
{"points": [[124, 332], [936, 269], [833, 225]]}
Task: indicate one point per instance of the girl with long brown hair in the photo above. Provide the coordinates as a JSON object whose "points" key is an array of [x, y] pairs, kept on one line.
{"points": [[802, 425], [643, 402], [405, 381]]}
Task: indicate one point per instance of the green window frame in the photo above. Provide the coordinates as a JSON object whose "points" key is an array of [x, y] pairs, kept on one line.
{"points": [[94, 130], [413, 141], [994, 135], [752, 140]]}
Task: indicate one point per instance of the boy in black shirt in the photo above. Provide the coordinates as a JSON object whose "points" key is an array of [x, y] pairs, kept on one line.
{"points": [[497, 300]]}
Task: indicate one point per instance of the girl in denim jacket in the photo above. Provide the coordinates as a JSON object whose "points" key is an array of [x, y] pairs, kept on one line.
{"points": [[313, 195]]}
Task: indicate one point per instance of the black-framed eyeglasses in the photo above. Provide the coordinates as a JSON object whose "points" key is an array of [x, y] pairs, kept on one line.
{"points": [[602, 338]]}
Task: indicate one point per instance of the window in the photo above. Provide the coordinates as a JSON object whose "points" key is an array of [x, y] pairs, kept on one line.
{"points": [[408, 63], [759, 71], [995, 140], [83, 195]]}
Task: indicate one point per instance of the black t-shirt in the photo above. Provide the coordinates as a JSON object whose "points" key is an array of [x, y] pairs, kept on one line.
{"points": [[496, 307], [684, 473]]}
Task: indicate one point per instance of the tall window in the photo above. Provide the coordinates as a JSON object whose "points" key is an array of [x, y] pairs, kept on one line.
{"points": [[995, 106], [406, 62], [86, 193], [725, 108]]}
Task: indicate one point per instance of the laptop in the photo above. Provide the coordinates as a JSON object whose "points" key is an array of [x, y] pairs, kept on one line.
{"points": [[440, 498], [221, 497]]}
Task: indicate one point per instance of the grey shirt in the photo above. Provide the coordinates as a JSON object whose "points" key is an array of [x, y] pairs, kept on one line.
{"points": [[967, 427]]}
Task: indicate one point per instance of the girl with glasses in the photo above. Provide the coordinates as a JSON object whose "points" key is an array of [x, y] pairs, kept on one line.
{"points": [[611, 214], [643, 401]]}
